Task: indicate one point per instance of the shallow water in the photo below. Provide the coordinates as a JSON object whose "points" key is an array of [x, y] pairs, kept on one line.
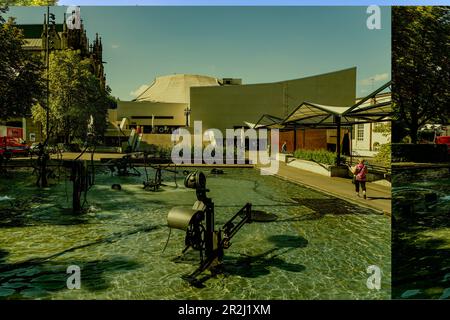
{"points": [[421, 238], [318, 248]]}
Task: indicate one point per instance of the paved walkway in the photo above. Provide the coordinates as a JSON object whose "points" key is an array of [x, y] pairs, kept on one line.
{"points": [[378, 196]]}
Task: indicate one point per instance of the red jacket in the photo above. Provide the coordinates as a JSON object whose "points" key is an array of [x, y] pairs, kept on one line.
{"points": [[360, 172]]}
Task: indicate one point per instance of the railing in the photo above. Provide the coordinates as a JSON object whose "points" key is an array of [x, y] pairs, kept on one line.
{"points": [[374, 168]]}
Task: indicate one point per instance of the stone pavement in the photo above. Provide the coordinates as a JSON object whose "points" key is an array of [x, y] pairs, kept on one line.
{"points": [[378, 196]]}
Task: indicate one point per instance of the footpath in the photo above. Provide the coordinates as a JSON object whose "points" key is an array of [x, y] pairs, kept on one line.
{"points": [[378, 196]]}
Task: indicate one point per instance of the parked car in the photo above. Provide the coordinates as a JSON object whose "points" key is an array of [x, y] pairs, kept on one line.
{"points": [[444, 140], [15, 146]]}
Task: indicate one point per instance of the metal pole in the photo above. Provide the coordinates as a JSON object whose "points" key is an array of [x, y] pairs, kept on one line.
{"points": [[47, 51], [209, 238], [295, 138], [338, 140], [351, 144], [187, 112]]}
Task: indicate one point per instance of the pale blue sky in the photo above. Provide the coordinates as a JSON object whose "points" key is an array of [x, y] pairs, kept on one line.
{"points": [[257, 44], [256, 2]]}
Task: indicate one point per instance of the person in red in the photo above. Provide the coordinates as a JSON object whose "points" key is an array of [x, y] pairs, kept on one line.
{"points": [[360, 172]]}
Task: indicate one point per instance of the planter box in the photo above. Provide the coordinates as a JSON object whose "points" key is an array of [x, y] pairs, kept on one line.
{"points": [[323, 169], [283, 157]]}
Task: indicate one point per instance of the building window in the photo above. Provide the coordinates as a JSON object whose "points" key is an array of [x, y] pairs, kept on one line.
{"points": [[360, 136]]}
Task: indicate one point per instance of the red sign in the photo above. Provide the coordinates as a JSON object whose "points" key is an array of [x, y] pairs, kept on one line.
{"points": [[14, 132]]}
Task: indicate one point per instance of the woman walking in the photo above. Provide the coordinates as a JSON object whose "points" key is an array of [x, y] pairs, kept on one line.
{"points": [[360, 172]]}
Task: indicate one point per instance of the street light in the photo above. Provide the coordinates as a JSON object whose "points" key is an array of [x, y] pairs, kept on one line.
{"points": [[50, 44], [187, 112]]}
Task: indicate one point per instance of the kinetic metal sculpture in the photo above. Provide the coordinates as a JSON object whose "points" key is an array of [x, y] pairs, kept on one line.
{"points": [[198, 223]]}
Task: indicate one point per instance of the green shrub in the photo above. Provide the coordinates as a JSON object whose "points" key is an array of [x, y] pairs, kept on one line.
{"points": [[384, 155], [319, 156]]}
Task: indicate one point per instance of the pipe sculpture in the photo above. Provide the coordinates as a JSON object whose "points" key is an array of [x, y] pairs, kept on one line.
{"points": [[198, 223]]}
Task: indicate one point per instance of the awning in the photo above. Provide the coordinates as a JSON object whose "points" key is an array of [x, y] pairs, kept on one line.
{"points": [[269, 121], [309, 113], [252, 125], [375, 107]]}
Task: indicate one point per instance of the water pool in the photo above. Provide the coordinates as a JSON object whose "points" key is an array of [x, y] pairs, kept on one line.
{"points": [[319, 248], [421, 237]]}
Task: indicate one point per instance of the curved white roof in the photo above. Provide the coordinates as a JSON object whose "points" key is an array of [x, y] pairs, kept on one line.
{"points": [[175, 88]]}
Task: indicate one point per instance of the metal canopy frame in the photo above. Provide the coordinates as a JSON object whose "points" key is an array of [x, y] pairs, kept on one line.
{"points": [[369, 96], [315, 114], [273, 122], [339, 116], [356, 114]]}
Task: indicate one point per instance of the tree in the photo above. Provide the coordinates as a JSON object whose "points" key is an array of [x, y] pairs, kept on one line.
{"points": [[20, 72], [384, 153], [420, 68], [75, 95], [31, 2]]}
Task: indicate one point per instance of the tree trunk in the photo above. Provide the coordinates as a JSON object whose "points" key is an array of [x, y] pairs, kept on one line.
{"points": [[413, 134]]}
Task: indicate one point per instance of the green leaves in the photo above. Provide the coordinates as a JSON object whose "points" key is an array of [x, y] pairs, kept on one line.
{"points": [[384, 155], [75, 95], [20, 81], [31, 2], [420, 67], [319, 156]]}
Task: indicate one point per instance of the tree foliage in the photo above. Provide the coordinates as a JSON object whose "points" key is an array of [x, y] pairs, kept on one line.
{"points": [[31, 2], [20, 81], [420, 68], [383, 155], [383, 127], [75, 95]]}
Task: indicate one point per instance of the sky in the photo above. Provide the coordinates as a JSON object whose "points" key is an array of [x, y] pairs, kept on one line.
{"points": [[255, 2], [256, 44]]}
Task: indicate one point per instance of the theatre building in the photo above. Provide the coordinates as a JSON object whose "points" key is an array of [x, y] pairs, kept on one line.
{"points": [[178, 100]]}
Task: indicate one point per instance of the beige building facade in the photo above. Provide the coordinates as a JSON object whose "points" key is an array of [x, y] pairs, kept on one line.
{"points": [[227, 107], [366, 138], [177, 101]]}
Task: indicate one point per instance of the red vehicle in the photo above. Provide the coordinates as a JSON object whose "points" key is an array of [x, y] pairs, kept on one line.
{"points": [[13, 146], [444, 140]]}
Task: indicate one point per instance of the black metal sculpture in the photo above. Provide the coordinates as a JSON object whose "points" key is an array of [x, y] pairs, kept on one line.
{"points": [[157, 181], [124, 166], [82, 181], [153, 184], [41, 165], [198, 223]]}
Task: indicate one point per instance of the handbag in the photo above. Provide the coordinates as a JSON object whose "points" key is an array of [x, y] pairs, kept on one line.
{"points": [[354, 179]]}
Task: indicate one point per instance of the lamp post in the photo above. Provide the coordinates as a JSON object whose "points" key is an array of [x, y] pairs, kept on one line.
{"points": [[337, 120], [48, 43], [187, 112], [47, 65]]}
